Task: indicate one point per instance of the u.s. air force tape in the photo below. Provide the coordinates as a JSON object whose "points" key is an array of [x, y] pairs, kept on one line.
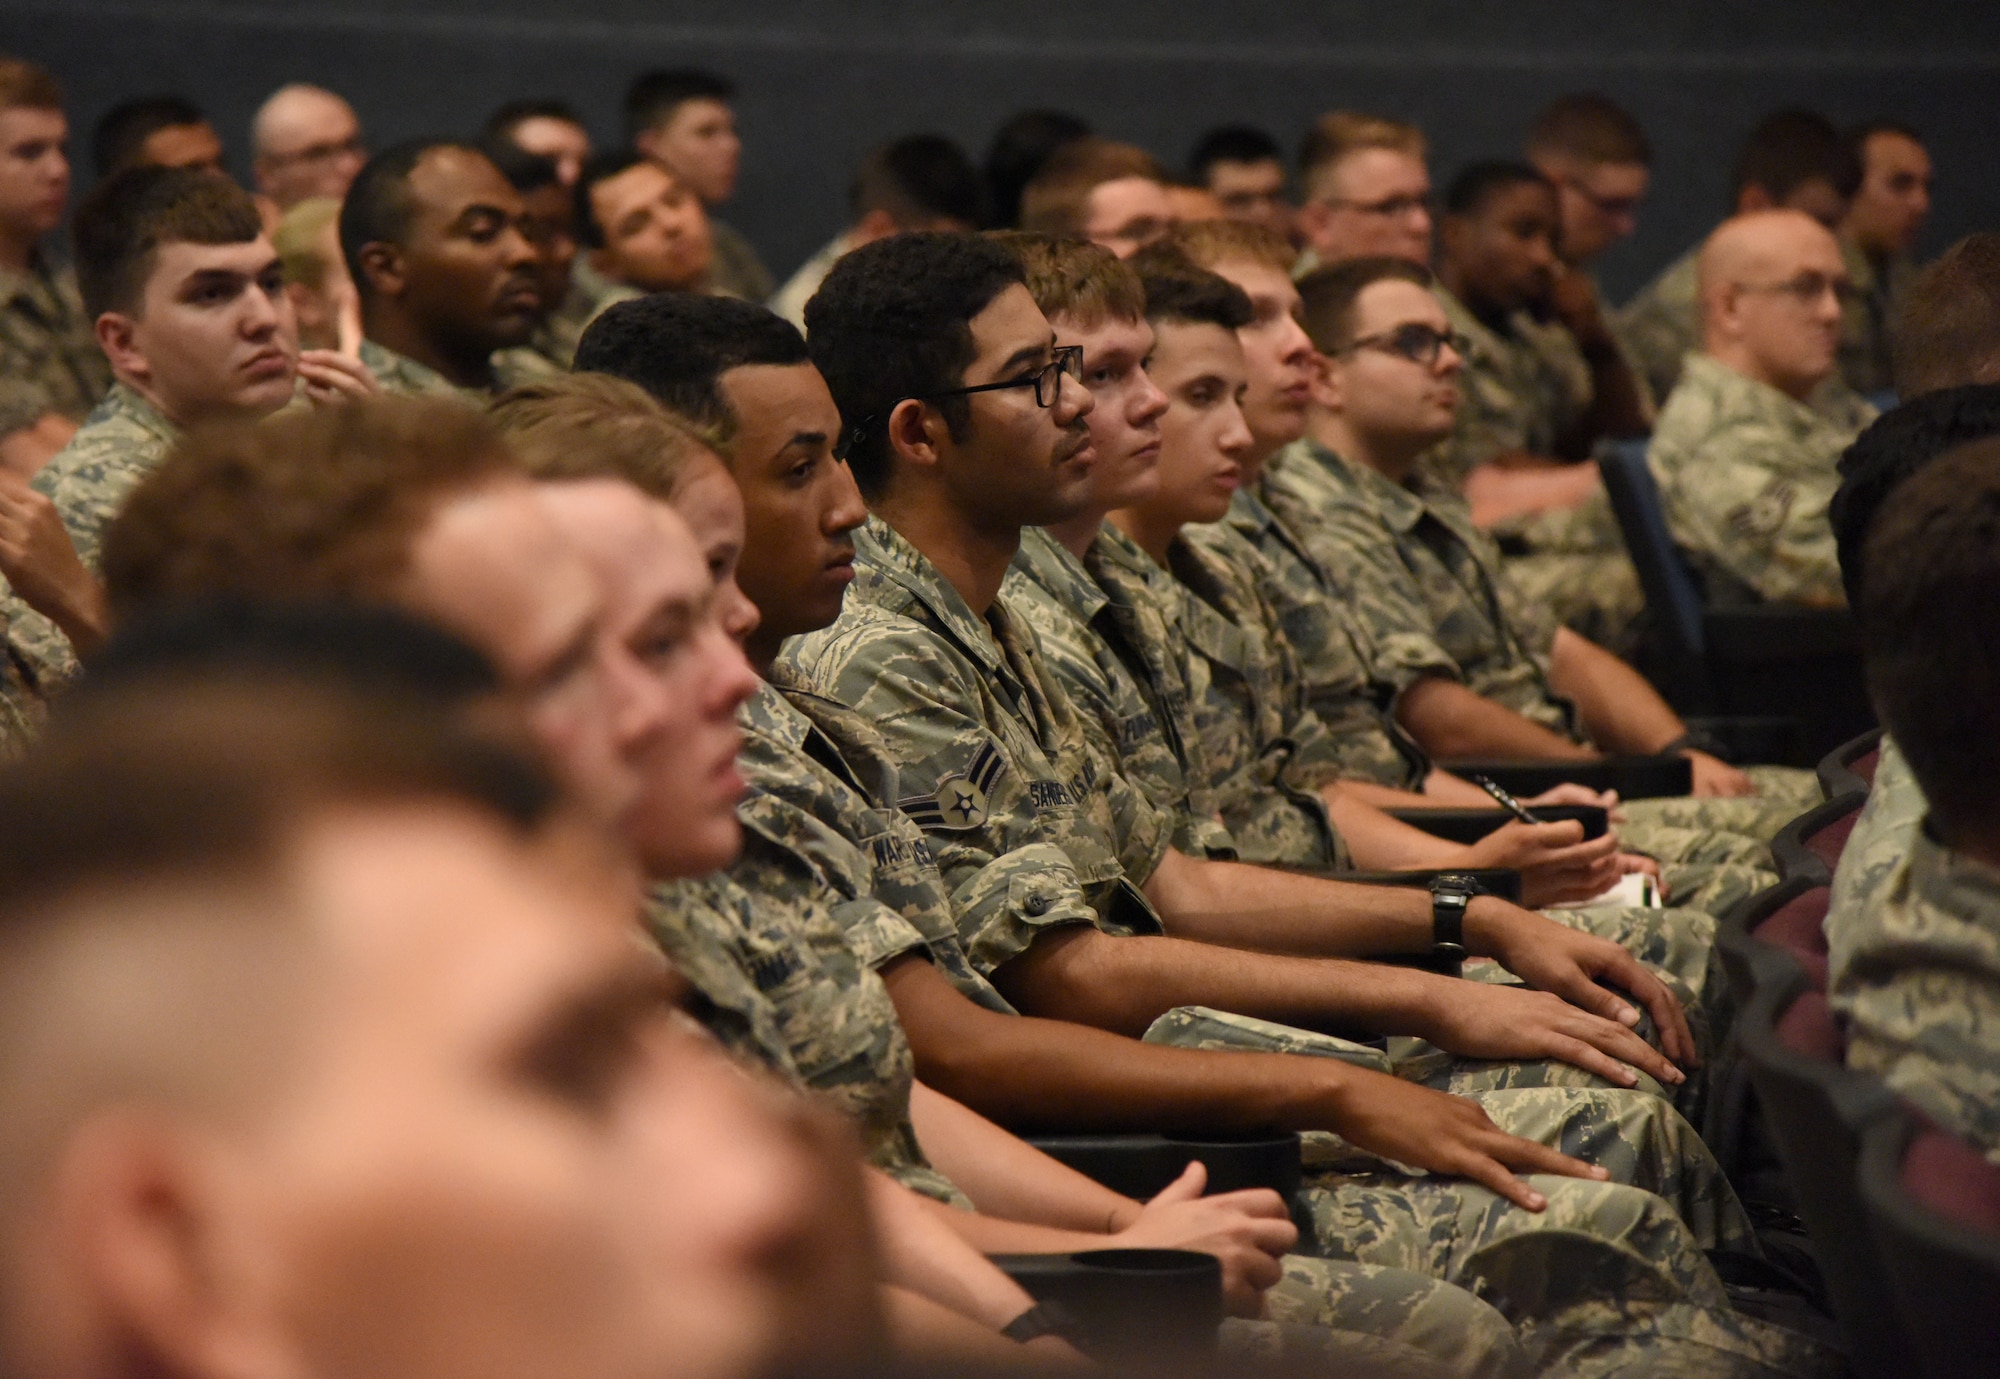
{"points": [[960, 801]]}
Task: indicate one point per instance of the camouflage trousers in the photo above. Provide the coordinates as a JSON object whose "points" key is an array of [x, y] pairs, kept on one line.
{"points": [[1377, 1321], [1783, 793], [1704, 868]]}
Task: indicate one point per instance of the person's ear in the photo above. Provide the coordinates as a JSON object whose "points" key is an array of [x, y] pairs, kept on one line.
{"points": [[877, 224], [383, 269], [118, 336], [139, 1209], [917, 433], [1310, 220]]}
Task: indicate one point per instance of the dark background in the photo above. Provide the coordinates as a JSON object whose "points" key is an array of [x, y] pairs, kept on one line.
{"points": [[822, 82]]}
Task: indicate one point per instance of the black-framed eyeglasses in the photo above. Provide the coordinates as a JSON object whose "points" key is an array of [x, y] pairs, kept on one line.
{"points": [[1045, 380], [1416, 342]]}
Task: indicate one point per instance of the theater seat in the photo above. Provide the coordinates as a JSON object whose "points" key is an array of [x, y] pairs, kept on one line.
{"points": [[1817, 1110], [1810, 845], [1933, 1204], [1788, 918], [1851, 765]]}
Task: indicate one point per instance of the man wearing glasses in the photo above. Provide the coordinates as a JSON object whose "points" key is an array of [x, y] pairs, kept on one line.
{"points": [[1745, 451], [305, 142], [1366, 191]]}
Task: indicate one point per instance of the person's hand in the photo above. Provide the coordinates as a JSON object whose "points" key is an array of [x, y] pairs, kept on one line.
{"points": [[1446, 1134], [41, 563], [1573, 301], [1560, 1021], [329, 378], [1569, 792], [1558, 865], [1572, 965], [1713, 776], [1248, 1231], [1639, 864]]}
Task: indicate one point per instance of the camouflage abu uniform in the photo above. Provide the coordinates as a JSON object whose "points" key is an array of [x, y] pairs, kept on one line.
{"points": [[1662, 323], [1875, 849], [1918, 978], [1521, 392], [402, 375], [1429, 586], [49, 359], [1869, 317], [806, 802], [1745, 474], [123, 441], [950, 693]]}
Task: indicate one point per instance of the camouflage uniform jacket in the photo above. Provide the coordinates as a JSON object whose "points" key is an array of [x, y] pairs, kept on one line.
{"points": [[873, 868], [1109, 649], [1428, 586], [785, 990], [1516, 397], [1920, 987], [1745, 475], [991, 762], [1875, 852], [1314, 610], [1662, 324], [1259, 749], [735, 270], [398, 373], [1869, 318], [49, 360], [122, 442]]}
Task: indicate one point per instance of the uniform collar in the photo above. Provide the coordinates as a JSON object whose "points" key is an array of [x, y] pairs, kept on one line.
{"points": [[123, 400], [881, 551], [768, 713], [1049, 565]]}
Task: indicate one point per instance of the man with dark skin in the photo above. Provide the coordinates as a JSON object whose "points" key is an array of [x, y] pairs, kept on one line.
{"points": [[434, 238]]}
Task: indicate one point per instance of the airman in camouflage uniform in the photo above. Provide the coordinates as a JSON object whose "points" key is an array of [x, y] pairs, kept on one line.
{"points": [[1746, 473], [1429, 585], [49, 359], [122, 442], [1918, 978], [1661, 325], [1875, 849], [1520, 392]]}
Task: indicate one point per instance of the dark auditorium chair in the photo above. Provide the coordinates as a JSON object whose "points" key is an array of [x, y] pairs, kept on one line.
{"points": [[1817, 1111], [1933, 1204], [1762, 661], [1789, 917], [1850, 766], [1810, 845]]}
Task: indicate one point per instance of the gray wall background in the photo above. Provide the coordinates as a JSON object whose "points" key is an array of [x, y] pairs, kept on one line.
{"points": [[823, 82]]}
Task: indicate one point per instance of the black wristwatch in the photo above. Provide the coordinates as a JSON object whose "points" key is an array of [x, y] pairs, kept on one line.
{"points": [[1451, 893], [1046, 1318]]}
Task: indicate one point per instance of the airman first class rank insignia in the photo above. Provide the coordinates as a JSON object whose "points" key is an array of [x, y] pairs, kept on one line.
{"points": [[960, 801]]}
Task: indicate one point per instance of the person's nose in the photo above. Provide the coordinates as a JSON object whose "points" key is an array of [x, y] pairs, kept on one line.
{"points": [[847, 510], [1150, 404], [1073, 401], [730, 681], [517, 249]]}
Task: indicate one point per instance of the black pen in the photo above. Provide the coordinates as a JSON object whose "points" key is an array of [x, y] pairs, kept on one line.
{"points": [[1506, 801]]}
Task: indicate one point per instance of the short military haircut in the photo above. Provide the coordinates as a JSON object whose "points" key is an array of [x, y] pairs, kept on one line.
{"points": [[1588, 128], [1328, 296], [379, 208], [600, 167], [1930, 627], [1897, 444], [653, 97], [1479, 183], [502, 123], [1862, 133], [125, 221], [318, 504], [1057, 198], [919, 180], [1212, 242], [1019, 148], [594, 426], [24, 86], [525, 172], [1231, 143], [678, 345], [893, 320], [1791, 148], [1335, 136], [1179, 292], [122, 131], [1075, 280], [1947, 331]]}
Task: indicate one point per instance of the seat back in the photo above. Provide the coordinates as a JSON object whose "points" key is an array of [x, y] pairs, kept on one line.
{"points": [[1816, 1110], [1673, 594], [1810, 845], [1933, 1205], [1785, 918], [1851, 765]]}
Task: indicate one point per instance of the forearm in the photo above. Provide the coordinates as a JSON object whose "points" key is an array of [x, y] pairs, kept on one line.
{"points": [[993, 1235], [1008, 1178], [924, 1331], [1380, 843], [1238, 906], [1124, 984], [1448, 720], [925, 1254], [1621, 711]]}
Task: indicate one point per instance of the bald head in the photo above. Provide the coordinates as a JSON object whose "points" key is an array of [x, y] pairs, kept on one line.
{"points": [[306, 142], [1772, 284]]}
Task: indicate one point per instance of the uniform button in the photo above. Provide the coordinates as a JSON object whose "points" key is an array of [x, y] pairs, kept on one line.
{"points": [[1037, 905]]}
